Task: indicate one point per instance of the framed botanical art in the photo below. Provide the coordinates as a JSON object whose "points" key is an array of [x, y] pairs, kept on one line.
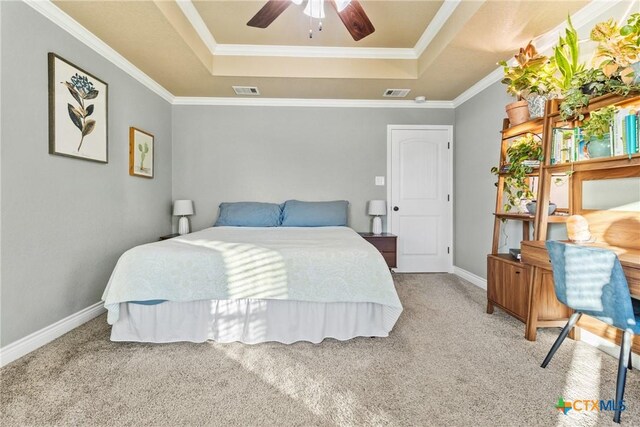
{"points": [[77, 112], [140, 153]]}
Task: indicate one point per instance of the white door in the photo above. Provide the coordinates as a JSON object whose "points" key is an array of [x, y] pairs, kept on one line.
{"points": [[420, 197]]}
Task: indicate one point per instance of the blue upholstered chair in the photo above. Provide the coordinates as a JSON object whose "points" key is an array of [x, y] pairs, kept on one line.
{"points": [[591, 281]]}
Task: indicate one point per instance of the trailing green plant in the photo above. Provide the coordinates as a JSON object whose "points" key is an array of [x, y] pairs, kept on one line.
{"points": [[516, 186], [566, 54], [587, 84], [584, 84], [598, 123], [532, 73]]}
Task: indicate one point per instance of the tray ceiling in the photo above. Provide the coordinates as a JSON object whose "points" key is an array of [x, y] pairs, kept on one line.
{"points": [[201, 48]]}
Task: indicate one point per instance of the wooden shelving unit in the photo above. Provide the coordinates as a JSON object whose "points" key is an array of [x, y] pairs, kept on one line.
{"points": [[507, 277], [534, 302], [579, 171]]}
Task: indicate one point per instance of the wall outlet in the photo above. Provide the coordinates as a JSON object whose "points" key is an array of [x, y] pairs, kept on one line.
{"points": [[379, 180]]}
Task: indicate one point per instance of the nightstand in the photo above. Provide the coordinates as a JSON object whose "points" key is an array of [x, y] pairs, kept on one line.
{"points": [[386, 243], [169, 236]]}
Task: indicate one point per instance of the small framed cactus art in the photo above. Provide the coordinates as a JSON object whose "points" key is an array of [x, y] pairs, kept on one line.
{"points": [[140, 153], [77, 112]]}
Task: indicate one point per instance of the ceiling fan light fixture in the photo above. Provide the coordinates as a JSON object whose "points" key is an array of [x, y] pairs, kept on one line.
{"points": [[296, 2], [315, 9]]}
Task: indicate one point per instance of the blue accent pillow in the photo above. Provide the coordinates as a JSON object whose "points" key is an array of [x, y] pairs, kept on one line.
{"points": [[249, 214], [314, 214]]}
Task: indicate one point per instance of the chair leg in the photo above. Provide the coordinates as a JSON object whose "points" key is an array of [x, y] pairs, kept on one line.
{"points": [[625, 345], [565, 331], [631, 356]]}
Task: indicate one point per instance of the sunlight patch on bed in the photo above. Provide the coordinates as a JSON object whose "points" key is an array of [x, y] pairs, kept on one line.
{"points": [[582, 381], [321, 396], [252, 271]]}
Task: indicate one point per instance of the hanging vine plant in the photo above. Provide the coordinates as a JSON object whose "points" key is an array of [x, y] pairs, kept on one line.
{"points": [[520, 154]]}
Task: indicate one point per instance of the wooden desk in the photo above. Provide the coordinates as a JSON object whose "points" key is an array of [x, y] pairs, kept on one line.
{"points": [[534, 253]]}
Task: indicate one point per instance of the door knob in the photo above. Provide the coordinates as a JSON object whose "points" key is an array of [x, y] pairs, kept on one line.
{"points": [[395, 208]]}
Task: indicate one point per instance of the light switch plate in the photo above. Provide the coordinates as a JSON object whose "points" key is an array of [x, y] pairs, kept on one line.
{"points": [[379, 180]]}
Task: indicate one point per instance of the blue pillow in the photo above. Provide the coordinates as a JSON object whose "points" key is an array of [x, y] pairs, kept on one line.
{"points": [[314, 214], [249, 214]]}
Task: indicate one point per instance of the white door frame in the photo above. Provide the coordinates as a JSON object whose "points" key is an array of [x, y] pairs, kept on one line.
{"points": [[448, 128]]}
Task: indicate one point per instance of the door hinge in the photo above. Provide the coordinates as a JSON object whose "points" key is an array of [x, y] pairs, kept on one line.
{"points": [[448, 145], [448, 249], [448, 197]]}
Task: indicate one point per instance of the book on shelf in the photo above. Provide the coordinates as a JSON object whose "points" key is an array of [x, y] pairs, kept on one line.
{"points": [[570, 145], [566, 146], [624, 132]]}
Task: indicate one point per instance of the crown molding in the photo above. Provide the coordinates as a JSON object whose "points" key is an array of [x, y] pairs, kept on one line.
{"points": [[192, 15], [305, 102], [436, 24], [70, 25], [546, 41], [198, 24], [482, 84], [314, 51]]}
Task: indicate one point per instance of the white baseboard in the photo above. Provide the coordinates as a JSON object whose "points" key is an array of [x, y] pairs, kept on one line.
{"points": [[606, 346], [470, 277], [26, 345]]}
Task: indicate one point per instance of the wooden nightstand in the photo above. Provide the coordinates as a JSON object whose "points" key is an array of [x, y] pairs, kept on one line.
{"points": [[386, 243], [169, 236]]}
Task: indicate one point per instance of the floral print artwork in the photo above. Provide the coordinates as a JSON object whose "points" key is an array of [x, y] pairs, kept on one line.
{"points": [[82, 90]]}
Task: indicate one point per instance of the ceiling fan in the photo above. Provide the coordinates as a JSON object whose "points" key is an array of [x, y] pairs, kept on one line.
{"points": [[350, 12]]}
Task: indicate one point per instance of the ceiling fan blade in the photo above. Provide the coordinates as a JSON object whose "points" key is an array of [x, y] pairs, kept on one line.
{"points": [[269, 12], [355, 19]]}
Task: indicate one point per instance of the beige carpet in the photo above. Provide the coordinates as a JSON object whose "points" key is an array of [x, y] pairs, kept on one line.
{"points": [[445, 363]]}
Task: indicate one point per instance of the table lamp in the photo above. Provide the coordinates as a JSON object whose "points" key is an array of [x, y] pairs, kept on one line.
{"points": [[183, 208], [377, 208]]}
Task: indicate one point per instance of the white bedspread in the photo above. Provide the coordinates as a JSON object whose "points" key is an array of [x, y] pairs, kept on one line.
{"points": [[325, 264]]}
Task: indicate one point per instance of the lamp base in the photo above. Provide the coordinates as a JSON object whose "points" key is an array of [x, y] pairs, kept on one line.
{"points": [[377, 225], [183, 225]]}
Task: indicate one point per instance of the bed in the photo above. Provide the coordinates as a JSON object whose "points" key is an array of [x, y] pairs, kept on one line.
{"points": [[252, 285]]}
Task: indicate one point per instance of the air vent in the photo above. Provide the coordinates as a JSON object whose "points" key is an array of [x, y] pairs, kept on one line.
{"points": [[246, 90], [396, 93]]}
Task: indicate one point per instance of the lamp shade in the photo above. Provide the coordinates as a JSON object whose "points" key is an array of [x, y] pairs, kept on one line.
{"points": [[377, 207], [183, 207]]}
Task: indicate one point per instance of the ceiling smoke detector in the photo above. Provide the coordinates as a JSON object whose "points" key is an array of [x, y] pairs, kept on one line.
{"points": [[246, 90], [396, 93]]}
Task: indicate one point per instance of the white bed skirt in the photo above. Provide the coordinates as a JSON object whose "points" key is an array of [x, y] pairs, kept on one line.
{"points": [[252, 321]]}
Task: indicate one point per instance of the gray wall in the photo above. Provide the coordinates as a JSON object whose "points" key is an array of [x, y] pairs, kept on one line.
{"points": [[277, 153], [476, 150], [65, 221]]}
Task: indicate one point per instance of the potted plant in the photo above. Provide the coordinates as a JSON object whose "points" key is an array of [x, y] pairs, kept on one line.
{"points": [[566, 54], [523, 154], [530, 77], [616, 51], [595, 131], [616, 67]]}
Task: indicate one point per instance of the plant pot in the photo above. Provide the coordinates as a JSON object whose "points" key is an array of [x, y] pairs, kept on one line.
{"points": [[536, 104], [588, 88], [518, 112], [533, 205], [599, 147]]}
